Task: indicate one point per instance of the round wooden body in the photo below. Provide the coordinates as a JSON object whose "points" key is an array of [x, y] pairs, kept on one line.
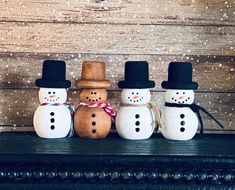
{"points": [[92, 122]]}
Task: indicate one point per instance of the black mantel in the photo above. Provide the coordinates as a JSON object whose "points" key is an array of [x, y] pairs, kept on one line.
{"points": [[28, 162]]}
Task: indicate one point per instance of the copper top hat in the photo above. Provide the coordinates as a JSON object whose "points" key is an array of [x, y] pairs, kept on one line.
{"points": [[93, 75]]}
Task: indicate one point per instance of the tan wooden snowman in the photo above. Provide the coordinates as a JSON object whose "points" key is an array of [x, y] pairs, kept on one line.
{"points": [[93, 118]]}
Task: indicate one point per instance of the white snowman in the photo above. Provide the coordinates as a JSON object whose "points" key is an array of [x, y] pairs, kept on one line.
{"points": [[135, 119], [52, 119], [180, 121], [181, 114]]}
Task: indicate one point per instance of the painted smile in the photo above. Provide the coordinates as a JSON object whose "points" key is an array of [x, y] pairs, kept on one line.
{"points": [[181, 99], [93, 99], [51, 98], [135, 99]]}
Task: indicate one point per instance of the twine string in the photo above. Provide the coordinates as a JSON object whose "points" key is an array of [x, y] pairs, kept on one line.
{"points": [[158, 122]]}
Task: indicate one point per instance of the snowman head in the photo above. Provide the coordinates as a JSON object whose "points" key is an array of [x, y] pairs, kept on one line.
{"points": [[52, 95], [179, 96], [93, 95], [135, 96]]}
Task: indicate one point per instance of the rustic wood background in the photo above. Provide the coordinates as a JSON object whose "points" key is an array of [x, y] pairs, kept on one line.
{"points": [[115, 31]]}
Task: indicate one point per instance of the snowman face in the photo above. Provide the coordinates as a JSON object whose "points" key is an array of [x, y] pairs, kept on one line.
{"points": [[179, 96], [52, 95], [93, 95], [135, 96]]}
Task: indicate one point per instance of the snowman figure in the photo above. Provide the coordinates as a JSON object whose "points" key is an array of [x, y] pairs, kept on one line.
{"points": [[93, 117], [180, 115], [136, 118], [52, 119]]}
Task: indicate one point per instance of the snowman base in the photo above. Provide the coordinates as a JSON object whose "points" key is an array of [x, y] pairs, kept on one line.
{"points": [[176, 138], [52, 127], [135, 138], [92, 123], [135, 123]]}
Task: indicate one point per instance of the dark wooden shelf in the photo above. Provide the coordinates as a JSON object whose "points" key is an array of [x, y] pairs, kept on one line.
{"points": [[28, 162]]}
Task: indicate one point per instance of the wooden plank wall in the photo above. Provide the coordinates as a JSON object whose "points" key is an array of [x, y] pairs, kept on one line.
{"points": [[115, 31]]}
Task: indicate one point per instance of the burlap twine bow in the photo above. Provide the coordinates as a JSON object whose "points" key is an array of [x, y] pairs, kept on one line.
{"points": [[158, 122]]}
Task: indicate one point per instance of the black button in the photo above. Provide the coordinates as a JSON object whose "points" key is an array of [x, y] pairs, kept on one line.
{"points": [[137, 129], [137, 123], [52, 127], [137, 116], [93, 131], [52, 120], [182, 123], [182, 129], [93, 123], [182, 116], [52, 113], [93, 115]]}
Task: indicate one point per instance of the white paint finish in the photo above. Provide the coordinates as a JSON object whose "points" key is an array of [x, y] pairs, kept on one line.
{"points": [[126, 123], [42, 121], [172, 123], [52, 121], [135, 96], [52, 95], [179, 96], [135, 122], [179, 123]]}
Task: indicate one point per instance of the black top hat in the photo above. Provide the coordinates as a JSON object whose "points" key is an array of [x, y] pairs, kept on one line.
{"points": [[180, 76], [136, 75], [53, 75]]}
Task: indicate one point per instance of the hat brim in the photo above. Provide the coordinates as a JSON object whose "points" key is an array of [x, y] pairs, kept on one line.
{"points": [[53, 84], [136, 85], [178, 85], [93, 84]]}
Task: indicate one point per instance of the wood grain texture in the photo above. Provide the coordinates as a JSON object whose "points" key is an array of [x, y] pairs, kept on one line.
{"points": [[17, 107], [116, 39], [204, 12], [115, 31], [213, 73]]}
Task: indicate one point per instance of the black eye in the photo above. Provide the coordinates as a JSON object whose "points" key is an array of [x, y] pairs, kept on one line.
{"points": [[177, 92], [91, 92], [132, 92], [137, 93], [49, 92], [183, 92], [53, 92], [94, 92]]}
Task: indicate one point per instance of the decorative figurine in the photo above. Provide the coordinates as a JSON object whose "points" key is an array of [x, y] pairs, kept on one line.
{"points": [[93, 117], [52, 119], [180, 113], [136, 118]]}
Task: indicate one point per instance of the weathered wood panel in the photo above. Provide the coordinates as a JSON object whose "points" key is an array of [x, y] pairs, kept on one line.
{"points": [[17, 107], [115, 31], [116, 39], [213, 73], [204, 12]]}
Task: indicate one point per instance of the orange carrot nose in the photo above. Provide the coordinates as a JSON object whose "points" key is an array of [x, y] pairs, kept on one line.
{"points": [[51, 96], [134, 97], [181, 97]]}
